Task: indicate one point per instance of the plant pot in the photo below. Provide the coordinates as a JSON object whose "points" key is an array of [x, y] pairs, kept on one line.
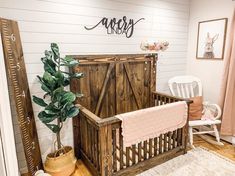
{"points": [[62, 165]]}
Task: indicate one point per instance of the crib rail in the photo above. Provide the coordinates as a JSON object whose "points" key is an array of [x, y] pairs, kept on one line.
{"points": [[101, 144], [162, 98]]}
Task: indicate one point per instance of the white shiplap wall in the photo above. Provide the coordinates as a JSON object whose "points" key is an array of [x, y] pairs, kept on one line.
{"points": [[44, 21]]}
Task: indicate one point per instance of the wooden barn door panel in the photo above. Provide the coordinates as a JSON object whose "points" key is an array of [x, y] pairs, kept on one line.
{"points": [[91, 85], [141, 81], [82, 86], [107, 108], [114, 86], [102, 107], [124, 93], [132, 86]]}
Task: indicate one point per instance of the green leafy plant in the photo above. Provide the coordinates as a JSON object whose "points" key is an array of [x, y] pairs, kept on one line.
{"points": [[58, 103]]}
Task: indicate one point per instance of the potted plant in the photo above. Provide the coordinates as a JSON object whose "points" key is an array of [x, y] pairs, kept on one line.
{"points": [[58, 106]]}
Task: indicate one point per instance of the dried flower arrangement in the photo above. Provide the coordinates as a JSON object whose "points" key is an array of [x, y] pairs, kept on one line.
{"points": [[155, 46]]}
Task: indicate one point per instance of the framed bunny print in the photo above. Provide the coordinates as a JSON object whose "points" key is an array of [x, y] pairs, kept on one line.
{"points": [[211, 39]]}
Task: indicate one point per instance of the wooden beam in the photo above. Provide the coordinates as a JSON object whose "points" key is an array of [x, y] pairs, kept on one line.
{"points": [[104, 88]]}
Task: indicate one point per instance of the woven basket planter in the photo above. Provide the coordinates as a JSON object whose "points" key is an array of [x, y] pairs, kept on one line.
{"points": [[62, 165]]}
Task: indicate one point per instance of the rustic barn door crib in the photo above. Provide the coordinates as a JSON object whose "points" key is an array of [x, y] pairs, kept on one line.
{"points": [[115, 84]]}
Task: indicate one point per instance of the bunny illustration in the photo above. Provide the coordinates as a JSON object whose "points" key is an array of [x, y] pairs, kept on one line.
{"points": [[209, 48]]}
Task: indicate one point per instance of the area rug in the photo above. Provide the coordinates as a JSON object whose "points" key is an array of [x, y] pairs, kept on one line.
{"points": [[197, 162]]}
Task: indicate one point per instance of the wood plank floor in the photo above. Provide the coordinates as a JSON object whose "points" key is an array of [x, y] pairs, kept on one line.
{"points": [[227, 151], [81, 170]]}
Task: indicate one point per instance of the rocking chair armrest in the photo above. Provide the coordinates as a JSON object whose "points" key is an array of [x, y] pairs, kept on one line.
{"points": [[216, 107]]}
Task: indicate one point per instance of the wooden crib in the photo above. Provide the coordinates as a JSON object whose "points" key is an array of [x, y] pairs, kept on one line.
{"points": [[115, 84]]}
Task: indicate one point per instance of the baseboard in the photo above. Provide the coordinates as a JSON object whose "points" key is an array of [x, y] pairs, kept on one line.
{"points": [[229, 139]]}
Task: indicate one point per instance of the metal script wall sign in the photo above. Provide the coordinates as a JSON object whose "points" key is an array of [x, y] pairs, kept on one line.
{"points": [[117, 26]]}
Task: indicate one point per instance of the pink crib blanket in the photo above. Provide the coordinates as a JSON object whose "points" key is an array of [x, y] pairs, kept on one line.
{"points": [[149, 123]]}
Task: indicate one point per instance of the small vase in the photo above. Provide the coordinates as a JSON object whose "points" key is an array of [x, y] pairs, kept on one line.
{"points": [[62, 165]]}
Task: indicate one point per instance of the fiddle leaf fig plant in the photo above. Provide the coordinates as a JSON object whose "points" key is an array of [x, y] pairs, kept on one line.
{"points": [[57, 102]]}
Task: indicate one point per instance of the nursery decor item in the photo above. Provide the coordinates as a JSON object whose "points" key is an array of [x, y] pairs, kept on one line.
{"points": [[197, 162], [211, 39], [117, 26], [191, 87], [58, 106], [116, 84], [154, 46], [41, 173], [61, 165], [17, 78]]}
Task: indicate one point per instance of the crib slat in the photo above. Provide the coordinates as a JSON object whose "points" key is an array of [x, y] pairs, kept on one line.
{"points": [[167, 101], [155, 146], [89, 141], [139, 151], [94, 147], [85, 137], [150, 148], [92, 144], [97, 149], [127, 156], [82, 132], [169, 140], [114, 150], [165, 142], [179, 135], [121, 148], [174, 138], [156, 100], [184, 137], [160, 144], [160, 100], [164, 100], [133, 154], [145, 150]]}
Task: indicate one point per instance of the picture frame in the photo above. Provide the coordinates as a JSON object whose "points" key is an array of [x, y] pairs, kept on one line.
{"points": [[211, 39]]}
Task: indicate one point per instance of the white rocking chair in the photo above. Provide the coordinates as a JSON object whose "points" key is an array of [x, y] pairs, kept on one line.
{"points": [[188, 87]]}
